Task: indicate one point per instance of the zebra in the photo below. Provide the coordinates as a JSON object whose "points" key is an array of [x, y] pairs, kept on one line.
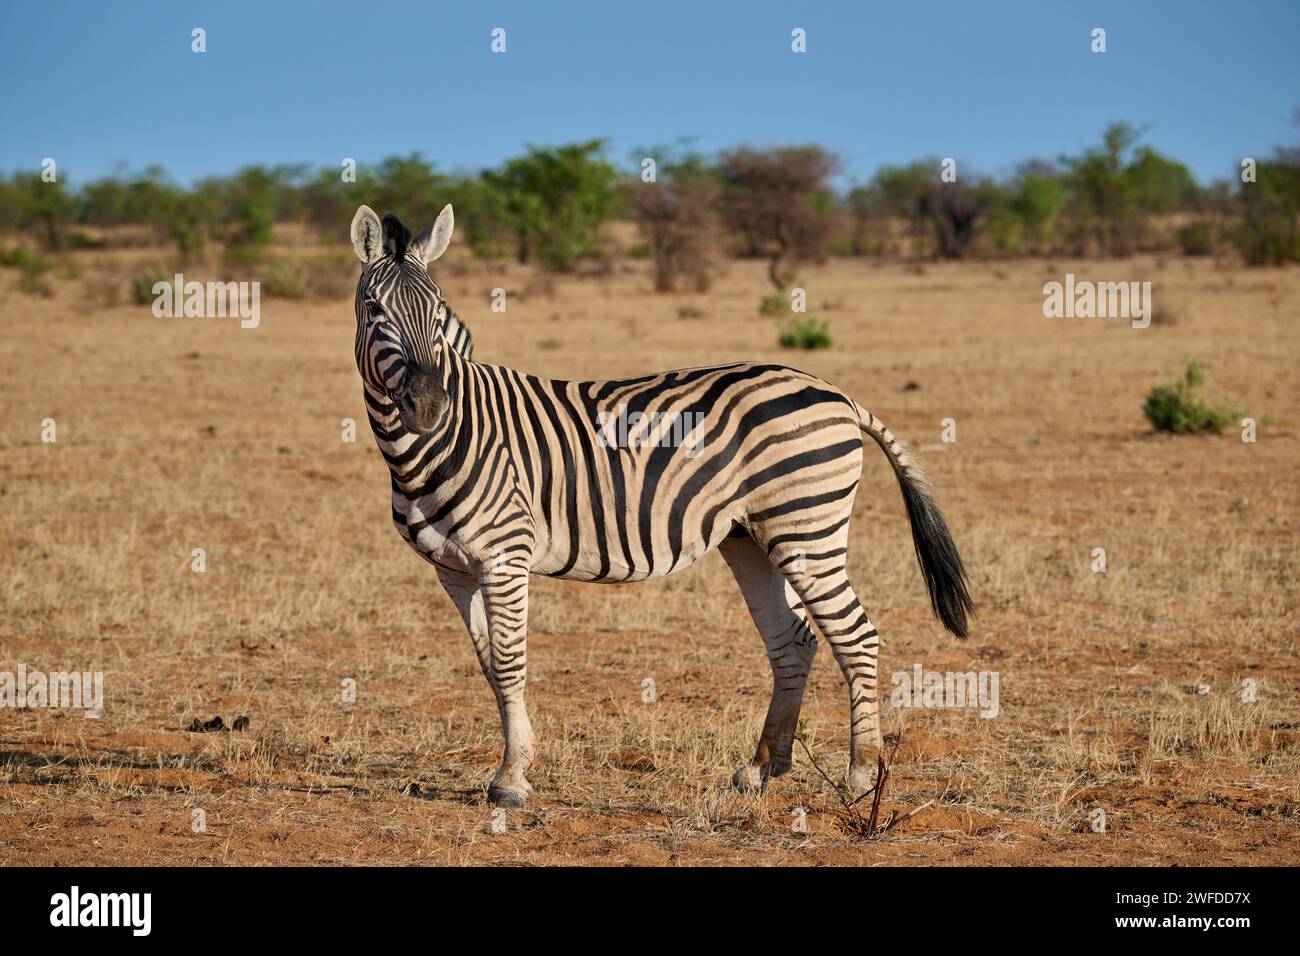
{"points": [[498, 475]]}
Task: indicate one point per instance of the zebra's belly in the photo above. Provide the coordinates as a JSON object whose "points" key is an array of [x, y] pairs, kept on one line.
{"points": [[613, 566]]}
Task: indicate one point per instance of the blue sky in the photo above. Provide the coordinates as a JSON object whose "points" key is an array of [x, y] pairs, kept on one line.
{"points": [[104, 86]]}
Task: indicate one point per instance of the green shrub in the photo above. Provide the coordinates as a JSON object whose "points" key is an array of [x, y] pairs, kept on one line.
{"points": [[254, 224], [806, 333], [1197, 239], [1267, 239], [142, 284], [1007, 231], [34, 279], [242, 258], [84, 240], [774, 304], [1181, 409], [34, 269], [17, 257]]}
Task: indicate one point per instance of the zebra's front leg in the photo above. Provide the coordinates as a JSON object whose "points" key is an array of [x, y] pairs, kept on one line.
{"points": [[791, 647], [494, 606]]}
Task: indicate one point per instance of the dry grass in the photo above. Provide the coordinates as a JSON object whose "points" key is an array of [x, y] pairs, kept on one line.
{"points": [[187, 433]]}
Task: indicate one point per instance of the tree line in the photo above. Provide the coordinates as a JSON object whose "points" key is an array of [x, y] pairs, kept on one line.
{"points": [[549, 205]]}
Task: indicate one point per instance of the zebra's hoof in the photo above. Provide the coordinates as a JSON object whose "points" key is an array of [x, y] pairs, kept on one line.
{"points": [[749, 780], [501, 797]]}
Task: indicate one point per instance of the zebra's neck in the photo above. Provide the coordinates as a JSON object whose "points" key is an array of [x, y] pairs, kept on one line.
{"points": [[456, 333], [421, 463]]}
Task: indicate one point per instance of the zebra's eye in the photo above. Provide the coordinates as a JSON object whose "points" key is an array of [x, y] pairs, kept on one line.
{"points": [[374, 308]]}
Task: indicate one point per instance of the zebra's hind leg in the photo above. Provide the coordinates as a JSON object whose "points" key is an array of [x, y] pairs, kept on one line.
{"points": [[495, 612], [822, 583], [791, 647]]}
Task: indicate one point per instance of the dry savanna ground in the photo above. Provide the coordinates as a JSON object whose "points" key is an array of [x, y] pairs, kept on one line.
{"points": [[1120, 691]]}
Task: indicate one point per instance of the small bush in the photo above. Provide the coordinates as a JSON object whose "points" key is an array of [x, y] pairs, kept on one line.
{"points": [[1197, 239], [774, 304], [142, 284], [17, 257], [34, 267], [84, 240], [806, 333], [284, 280], [240, 258], [35, 279], [1179, 407]]}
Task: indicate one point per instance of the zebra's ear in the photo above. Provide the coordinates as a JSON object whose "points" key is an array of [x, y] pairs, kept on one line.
{"points": [[367, 234], [433, 241]]}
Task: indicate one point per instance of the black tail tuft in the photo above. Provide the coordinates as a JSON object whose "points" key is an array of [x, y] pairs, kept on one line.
{"points": [[935, 552]]}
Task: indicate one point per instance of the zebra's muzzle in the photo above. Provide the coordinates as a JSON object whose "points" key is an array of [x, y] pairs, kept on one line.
{"points": [[424, 403]]}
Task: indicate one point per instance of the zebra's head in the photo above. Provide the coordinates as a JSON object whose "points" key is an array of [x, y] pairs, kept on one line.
{"points": [[400, 344]]}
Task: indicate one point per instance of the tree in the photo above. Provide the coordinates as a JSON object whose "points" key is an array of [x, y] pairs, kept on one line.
{"points": [[677, 218], [103, 202], [554, 201], [898, 191], [779, 202], [1039, 196], [952, 211], [409, 187], [45, 208], [1159, 185], [480, 216], [1102, 205], [864, 206], [956, 210], [248, 205], [1116, 189], [1270, 210], [328, 202]]}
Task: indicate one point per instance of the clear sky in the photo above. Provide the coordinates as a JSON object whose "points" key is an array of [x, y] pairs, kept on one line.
{"points": [[102, 86]]}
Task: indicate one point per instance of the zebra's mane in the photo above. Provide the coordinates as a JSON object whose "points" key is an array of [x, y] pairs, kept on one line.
{"points": [[396, 237], [457, 333]]}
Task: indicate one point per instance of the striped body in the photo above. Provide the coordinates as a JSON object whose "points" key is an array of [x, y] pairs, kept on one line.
{"points": [[543, 482], [498, 475]]}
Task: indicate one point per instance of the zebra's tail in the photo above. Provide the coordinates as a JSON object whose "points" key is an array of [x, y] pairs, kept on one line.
{"points": [[945, 577]]}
